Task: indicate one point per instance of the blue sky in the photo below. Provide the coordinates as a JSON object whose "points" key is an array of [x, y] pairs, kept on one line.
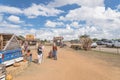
{"points": [[68, 18]]}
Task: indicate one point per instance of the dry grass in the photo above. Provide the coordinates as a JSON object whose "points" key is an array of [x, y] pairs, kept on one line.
{"points": [[110, 58]]}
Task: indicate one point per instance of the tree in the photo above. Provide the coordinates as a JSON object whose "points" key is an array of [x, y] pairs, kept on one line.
{"points": [[45, 40], [103, 39], [21, 37], [95, 39], [86, 42]]}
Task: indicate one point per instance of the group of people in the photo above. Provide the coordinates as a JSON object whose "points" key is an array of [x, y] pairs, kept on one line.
{"points": [[52, 54], [26, 52], [40, 49]]}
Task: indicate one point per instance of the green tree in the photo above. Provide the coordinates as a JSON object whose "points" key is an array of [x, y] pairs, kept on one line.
{"points": [[21, 37], [95, 39]]}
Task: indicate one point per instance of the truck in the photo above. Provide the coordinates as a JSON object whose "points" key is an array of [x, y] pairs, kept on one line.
{"points": [[10, 50], [30, 38]]}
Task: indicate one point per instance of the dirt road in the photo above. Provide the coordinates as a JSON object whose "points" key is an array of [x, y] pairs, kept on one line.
{"points": [[69, 66]]}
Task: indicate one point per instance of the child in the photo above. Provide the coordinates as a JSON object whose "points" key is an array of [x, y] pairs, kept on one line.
{"points": [[29, 56], [50, 55]]}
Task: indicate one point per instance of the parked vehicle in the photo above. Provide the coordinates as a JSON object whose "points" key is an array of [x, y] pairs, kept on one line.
{"points": [[9, 57], [100, 43], [110, 44], [31, 43], [10, 50], [94, 45], [117, 44]]}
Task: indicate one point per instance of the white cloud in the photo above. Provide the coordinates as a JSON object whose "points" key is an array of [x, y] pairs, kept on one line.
{"points": [[40, 10], [87, 13], [12, 26], [68, 34], [9, 9], [82, 13], [105, 20], [14, 19], [89, 30], [89, 3], [100, 23], [33, 31], [8, 25], [1, 17], [92, 3], [75, 24], [45, 34], [50, 24], [53, 24], [68, 27], [118, 7], [32, 11]]}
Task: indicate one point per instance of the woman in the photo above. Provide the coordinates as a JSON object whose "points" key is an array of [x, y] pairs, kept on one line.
{"points": [[40, 53]]}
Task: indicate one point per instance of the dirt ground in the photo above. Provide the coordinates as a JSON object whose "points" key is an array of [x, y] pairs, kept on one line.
{"points": [[69, 66]]}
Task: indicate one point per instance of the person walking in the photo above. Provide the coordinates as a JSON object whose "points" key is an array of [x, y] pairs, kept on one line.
{"points": [[40, 53], [25, 46], [54, 47]]}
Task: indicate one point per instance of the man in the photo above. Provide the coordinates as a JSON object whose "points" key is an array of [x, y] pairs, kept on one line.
{"points": [[54, 51]]}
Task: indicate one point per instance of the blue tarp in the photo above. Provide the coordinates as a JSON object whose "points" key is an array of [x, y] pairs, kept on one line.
{"points": [[10, 54]]}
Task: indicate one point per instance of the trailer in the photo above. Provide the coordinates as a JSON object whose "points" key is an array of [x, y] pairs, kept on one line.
{"points": [[10, 50], [76, 46]]}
